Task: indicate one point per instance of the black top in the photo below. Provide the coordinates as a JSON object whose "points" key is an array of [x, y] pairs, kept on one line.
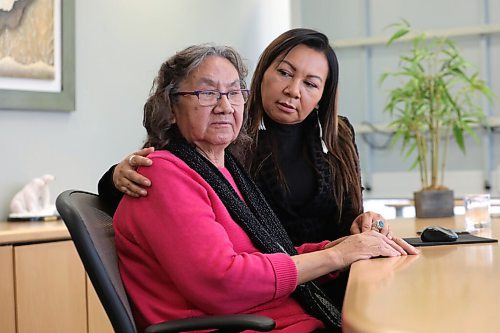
{"points": [[107, 190], [306, 207]]}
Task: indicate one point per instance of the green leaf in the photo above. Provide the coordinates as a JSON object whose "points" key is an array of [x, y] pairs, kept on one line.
{"points": [[383, 77], [471, 133], [398, 34], [415, 163], [459, 137]]}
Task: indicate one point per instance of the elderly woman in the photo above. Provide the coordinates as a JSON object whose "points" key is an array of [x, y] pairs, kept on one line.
{"points": [[204, 240]]}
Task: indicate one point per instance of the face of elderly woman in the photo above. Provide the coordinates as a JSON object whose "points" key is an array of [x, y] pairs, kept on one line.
{"points": [[209, 127]]}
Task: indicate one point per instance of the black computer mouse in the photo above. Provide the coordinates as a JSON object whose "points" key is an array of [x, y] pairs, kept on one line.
{"points": [[438, 234]]}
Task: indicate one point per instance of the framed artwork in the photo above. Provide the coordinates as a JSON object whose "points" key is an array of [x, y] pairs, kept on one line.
{"points": [[37, 55]]}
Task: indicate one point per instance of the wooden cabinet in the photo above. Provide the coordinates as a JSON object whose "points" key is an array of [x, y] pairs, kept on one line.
{"points": [[50, 288], [43, 285], [7, 303]]}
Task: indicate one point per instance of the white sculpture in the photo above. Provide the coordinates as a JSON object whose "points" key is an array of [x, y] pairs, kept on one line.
{"points": [[33, 199]]}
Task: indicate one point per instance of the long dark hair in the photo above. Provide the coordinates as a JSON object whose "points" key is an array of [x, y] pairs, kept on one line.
{"points": [[343, 157], [158, 113]]}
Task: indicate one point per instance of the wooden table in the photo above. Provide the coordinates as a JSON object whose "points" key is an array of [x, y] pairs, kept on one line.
{"points": [[451, 288], [399, 205]]}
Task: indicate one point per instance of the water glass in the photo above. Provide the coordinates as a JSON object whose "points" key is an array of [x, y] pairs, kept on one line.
{"points": [[477, 211]]}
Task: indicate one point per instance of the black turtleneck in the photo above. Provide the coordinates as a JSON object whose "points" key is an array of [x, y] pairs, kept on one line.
{"points": [[306, 208], [295, 162]]}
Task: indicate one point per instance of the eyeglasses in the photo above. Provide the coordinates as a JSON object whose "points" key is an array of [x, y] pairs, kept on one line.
{"points": [[212, 97]]}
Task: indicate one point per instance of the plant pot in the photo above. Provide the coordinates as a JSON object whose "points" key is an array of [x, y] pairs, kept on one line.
{"points": [[430, 204]]}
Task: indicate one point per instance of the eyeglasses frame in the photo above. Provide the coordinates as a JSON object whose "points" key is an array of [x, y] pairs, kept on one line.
{"points": [[198, 92]]}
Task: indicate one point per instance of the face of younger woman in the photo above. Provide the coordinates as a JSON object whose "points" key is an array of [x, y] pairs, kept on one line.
{"points": [[292, 86]]}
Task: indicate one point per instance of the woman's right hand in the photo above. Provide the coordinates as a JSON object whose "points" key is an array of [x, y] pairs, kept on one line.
{"points": [[369, 244], [341, 253], [125, 177]]}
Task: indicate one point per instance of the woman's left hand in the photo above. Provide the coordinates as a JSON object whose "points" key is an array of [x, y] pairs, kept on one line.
{"points": [[371, 221]]}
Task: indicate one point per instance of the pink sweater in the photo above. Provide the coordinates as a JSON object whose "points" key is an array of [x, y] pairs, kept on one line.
{"points": [[182, 255]]}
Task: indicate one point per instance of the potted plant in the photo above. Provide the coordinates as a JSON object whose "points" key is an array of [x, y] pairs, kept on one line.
{"points": [[438, 99]]}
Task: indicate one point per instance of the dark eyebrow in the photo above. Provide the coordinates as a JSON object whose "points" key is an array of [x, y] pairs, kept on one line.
{"points": [[294, 68]]}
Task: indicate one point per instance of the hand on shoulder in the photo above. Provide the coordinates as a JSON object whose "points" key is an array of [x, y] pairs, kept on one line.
{"points": [[125, 176]]}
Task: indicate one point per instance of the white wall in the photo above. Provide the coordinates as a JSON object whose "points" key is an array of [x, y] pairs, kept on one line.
{"points": [[119, 48]]}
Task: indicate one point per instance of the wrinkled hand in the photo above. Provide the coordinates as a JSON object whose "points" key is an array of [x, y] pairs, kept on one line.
{"points": [[364, 222], [125, 177], [370, 244], [408, 248]]}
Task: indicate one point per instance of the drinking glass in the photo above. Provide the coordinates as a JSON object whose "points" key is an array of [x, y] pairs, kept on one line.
{"points": [[477, 211]]}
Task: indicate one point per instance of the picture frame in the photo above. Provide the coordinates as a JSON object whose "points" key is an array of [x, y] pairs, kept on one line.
{"points": [[63, 100]]}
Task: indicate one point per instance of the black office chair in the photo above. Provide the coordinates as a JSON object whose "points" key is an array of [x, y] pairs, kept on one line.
{"points": [[89, 223]]}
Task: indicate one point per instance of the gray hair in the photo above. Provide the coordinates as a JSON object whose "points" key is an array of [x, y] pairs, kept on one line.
{"points": [[158, 113]]}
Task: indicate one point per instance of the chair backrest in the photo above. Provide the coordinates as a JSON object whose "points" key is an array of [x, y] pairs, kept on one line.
{"points": [[89, 223]]}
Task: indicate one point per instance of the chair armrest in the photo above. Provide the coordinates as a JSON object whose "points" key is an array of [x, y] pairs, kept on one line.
{"points": [[225, 323]]}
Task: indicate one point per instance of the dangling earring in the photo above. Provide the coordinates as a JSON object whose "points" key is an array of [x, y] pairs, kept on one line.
{"points": [[262, 126], [323, 144]]}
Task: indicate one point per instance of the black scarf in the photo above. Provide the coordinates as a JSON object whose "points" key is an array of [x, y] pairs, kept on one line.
{"points": [[259, 222]]}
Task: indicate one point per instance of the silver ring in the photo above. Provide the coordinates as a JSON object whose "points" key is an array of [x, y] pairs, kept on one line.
{"points": [[130, 159], [379, 224]]}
